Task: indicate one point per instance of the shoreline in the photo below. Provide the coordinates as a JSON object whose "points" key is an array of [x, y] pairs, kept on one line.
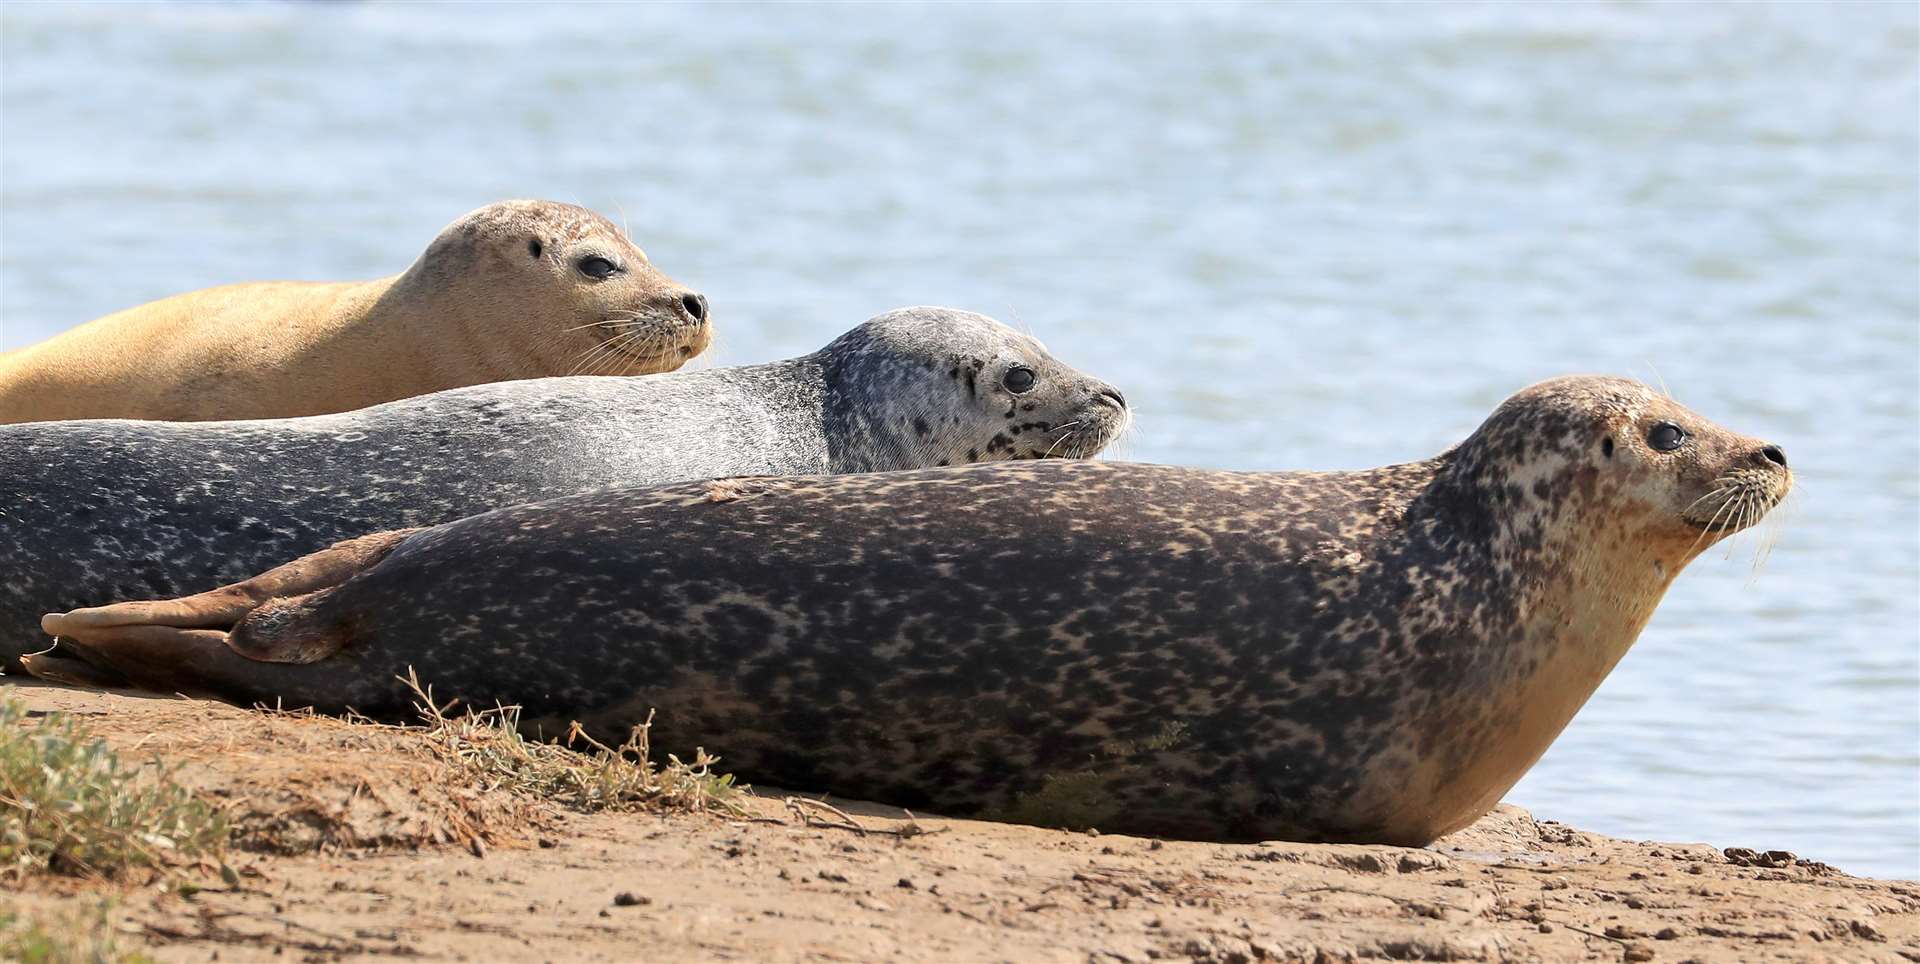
{"points": [[347, 847]]}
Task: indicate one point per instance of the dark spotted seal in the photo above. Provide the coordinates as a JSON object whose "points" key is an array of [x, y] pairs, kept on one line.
{"points": [[518, 289], [91, 512], [1350, 656]]}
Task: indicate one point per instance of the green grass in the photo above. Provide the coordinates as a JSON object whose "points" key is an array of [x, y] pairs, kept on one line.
{"points": [[68, 805]]}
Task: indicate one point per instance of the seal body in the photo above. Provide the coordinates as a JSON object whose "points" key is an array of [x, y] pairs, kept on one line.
{"points": [[92, 511], [518, 289], [1357, 656]]}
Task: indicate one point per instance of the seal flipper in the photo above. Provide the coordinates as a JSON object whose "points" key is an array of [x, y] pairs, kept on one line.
{"points": [[158, 658], [227, 606], [70, 671], [293, 630]]}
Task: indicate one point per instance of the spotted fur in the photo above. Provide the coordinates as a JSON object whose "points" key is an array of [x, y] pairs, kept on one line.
{"points": [[1354, 656]]}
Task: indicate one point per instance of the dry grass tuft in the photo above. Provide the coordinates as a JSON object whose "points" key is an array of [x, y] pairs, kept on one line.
{"points": [[487, 744], [68, 805], [267, 781]]}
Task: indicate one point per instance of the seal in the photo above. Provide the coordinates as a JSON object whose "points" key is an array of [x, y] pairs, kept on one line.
{"points": [[93, 511], [1370, 656], [519, 289]]}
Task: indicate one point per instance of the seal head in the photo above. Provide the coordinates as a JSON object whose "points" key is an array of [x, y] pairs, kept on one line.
{"points": [[935, 386], [1571, 456], [1569, 512], [590, 300]]}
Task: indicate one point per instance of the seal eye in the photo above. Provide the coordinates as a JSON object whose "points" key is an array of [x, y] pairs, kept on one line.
{"points": [[1018, 380], [1666, 437], [596, 267]]}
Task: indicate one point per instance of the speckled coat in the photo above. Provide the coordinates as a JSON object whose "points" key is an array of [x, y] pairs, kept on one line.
{"points": [[1365, 656], [96, 511]]}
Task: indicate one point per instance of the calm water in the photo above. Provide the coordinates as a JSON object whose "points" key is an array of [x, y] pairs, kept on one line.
{"points": [[1301, 237]]}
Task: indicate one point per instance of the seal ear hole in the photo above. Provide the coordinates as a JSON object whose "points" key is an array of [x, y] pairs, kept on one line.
{"points": [[533, 246], [1606, 446]]}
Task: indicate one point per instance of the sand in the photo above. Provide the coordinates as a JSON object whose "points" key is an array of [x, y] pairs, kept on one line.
{"points": [[355, 844]]}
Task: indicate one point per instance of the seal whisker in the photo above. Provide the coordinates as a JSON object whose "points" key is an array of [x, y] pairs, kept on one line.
{"points": [[1750, 514], [1737, 521], [1657, 377], [1716, 522], [1724, 485], [1707, 529], [1018, 323], [625, 348], [1775, 523], [587, 356], [658, 343], [1755, 514], [1119, 446], [631, 347], [1067, 432], [591, 362], [635, 347], [592, 350], [603, 323], [1767, 521]]}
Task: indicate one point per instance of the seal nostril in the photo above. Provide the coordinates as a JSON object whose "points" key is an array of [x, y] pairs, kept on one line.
{"points": [[1114, 395], [696, 306], [1773, 454]]}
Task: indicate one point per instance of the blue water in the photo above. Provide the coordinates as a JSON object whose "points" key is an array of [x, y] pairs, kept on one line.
{"points": [[1298, 237]]}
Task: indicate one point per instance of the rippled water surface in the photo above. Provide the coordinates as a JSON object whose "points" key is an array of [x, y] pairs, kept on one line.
{"points": [[1298, 237]]}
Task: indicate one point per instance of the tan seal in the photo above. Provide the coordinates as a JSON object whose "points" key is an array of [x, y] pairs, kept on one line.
{"points": [[518, 289]]}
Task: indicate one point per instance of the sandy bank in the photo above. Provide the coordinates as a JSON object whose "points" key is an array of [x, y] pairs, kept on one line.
{"points": [[353, 846]]}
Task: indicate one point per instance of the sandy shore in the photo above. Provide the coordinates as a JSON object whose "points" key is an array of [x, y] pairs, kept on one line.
{"points": [[354, 846]]}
